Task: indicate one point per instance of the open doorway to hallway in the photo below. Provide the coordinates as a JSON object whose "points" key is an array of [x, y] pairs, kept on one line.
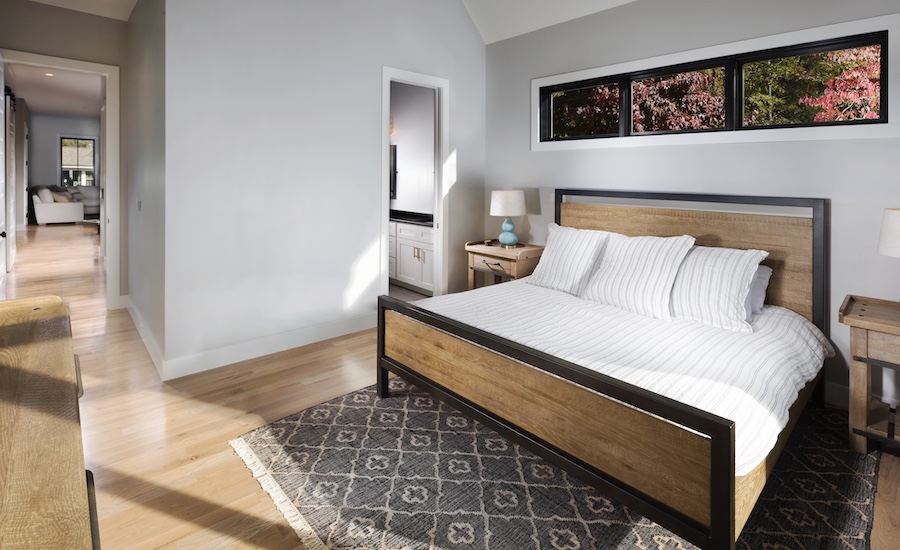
{"points": [[108, 163]]}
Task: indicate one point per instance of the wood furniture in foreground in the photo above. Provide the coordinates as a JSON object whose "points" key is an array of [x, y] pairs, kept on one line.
{"points": [[46, 495], [671, 462], [503, 263], [874, 341]]}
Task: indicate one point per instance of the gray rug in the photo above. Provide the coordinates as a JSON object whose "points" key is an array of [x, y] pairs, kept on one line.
{"points": [[360, 472]]}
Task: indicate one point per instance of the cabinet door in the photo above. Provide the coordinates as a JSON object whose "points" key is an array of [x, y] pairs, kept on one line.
{"points": [[426, 275], [409, 268]]}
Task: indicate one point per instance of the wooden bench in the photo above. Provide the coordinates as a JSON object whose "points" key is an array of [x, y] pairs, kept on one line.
{"points": [[46, 495]]}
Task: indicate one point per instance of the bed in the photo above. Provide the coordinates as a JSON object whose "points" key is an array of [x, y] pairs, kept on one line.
{"points": [[670, 461]]}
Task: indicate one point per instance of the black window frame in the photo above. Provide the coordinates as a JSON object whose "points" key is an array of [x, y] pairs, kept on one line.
{"points": [[734, 92]]}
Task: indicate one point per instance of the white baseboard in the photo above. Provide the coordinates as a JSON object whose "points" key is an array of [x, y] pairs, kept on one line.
{"points": [[169, 369], [146, 336], [235, 353]]}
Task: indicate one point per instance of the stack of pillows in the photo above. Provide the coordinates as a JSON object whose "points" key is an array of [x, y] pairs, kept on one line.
{"points": [[663, 277]]}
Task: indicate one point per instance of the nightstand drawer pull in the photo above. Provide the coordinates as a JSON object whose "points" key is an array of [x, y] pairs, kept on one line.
{"points": [[485, 262]]}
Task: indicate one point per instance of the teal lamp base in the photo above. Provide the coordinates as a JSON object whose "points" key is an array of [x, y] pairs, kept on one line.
{"points": [[508, 239]]}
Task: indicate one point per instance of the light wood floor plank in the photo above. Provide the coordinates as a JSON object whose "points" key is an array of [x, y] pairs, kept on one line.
{"points": [[165, 474]]}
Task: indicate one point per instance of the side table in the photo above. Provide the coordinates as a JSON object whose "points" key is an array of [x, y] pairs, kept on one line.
{"points": [[503, 263], [874, 341]]}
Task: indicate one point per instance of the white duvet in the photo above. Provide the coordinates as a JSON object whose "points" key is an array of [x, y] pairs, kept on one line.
{"points": [[750, 378]]}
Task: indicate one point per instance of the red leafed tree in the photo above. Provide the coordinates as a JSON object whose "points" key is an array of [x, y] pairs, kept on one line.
{"points": [[856, 92], [682, 101]]}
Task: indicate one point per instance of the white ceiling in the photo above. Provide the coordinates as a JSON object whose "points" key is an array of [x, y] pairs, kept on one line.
{"points": [[114, 9], [66, 93], [79, 94], [495, 19], [501, 19]]}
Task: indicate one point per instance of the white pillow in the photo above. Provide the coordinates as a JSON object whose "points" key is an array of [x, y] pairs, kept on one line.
{"points": [[756, 298], [569, 258], [636, 273], [713, 284], [45, 195]]}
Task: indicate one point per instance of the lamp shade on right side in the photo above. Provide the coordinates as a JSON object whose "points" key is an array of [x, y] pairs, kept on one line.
{"points": [[889, 243]]}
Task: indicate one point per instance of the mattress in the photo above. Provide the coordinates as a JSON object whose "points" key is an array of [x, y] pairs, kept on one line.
{"points": [[749, 378]]}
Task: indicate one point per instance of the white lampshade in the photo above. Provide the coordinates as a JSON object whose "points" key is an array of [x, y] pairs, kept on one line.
{"points": [[508, 203], [889, 244]]}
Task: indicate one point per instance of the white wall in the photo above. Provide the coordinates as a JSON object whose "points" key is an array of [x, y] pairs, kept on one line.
{"points": [[43, 153], [412, 115], [273, 193], [859, 176]]}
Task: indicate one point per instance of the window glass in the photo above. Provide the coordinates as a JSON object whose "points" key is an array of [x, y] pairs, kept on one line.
{"points": [[77, 157], [585, 112], [831, 86], [692, 100]]}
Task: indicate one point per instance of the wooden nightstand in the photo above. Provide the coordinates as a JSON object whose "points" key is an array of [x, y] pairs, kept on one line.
{"points": [[503, 263], [874, 340]]}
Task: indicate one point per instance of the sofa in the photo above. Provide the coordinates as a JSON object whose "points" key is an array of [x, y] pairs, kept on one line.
{"points": [[65, 204]]}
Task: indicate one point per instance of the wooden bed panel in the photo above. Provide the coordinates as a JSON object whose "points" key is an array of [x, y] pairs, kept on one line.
{"points": [[788, 239], [749, 486], [657, 457]]}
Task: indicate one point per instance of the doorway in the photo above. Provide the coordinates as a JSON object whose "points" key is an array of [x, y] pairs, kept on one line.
{"points": [[441, 91], [109, 160]]}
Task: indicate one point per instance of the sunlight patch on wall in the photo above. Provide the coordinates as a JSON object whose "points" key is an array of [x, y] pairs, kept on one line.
{"points": [[449, 173], [363, 274]]}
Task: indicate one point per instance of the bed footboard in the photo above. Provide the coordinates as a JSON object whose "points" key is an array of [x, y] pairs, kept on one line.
{"points": [[668, 461]]}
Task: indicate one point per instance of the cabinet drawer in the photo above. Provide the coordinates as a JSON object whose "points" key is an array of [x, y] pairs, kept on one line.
{"points": [[494, 264], [884, 347], [392, 229], [392, 247], [392, 267], [413, 232]]}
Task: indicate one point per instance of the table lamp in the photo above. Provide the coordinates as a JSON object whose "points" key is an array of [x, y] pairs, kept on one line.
{"points": [[508, 203], [889, 243]]}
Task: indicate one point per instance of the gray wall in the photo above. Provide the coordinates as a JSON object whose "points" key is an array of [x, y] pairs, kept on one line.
{"points": [[145, 149], [857, 175], [40, 28], [273, 165], [43, 151]]}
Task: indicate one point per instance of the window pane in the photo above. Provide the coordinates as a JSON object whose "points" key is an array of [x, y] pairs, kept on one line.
{"points": [[583, 112], [77, 162], [693, 100], [824, 87]]}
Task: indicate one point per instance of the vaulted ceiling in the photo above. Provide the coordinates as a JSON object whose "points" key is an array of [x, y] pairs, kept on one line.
{"points": [[68, 93]]}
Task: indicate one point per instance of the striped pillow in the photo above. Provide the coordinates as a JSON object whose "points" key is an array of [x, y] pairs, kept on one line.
{"points": [[713, 284], [636, 273], [569, 258]]}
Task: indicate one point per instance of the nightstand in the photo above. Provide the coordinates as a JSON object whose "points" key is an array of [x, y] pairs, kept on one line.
{"points": [[503, 263], [874, 341]]}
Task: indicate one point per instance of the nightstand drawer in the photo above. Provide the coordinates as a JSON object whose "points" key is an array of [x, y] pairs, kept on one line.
{"points": [[493, 264], [884, 347]]}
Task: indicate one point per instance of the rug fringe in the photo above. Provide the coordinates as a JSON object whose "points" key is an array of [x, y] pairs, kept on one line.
{"points": [[284, 504]]}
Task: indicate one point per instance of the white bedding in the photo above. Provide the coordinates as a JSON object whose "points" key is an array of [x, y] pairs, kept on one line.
{"points": [[750, 378]]}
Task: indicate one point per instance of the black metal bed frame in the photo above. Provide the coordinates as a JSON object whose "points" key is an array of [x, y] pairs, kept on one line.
{"points": [[720, 431]]}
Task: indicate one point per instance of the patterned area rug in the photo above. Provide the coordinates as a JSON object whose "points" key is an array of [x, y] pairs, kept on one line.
{"points": [[360, 472]]}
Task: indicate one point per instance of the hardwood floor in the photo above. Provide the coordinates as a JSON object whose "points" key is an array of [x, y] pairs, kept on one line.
{"points": [[165, 474]]}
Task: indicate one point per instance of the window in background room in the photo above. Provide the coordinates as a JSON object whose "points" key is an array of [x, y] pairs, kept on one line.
{"points": [[77, 162]]}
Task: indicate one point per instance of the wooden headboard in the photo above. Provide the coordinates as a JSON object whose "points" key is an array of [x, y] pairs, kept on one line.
{"points": [[796, 241]]}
